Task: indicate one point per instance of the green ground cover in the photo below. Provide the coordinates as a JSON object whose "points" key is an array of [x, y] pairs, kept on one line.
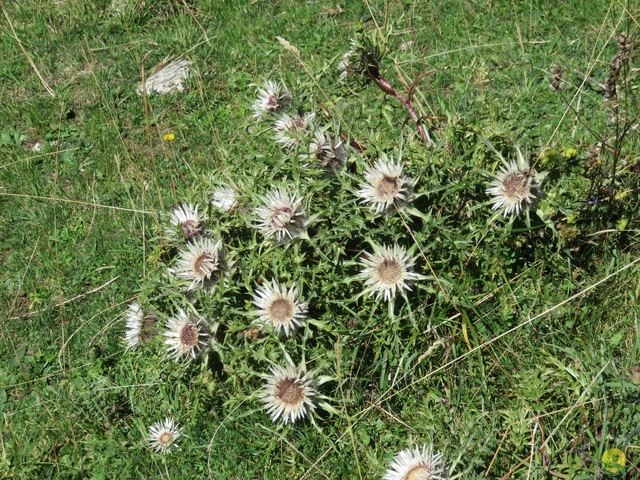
{"points": [[515, 353]]}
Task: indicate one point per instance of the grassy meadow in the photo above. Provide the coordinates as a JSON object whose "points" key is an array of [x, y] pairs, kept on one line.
{"points": [[512, 345]]}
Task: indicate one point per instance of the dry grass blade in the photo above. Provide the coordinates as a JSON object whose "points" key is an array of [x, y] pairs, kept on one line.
{"points": [[26, 54], [77, 202]]}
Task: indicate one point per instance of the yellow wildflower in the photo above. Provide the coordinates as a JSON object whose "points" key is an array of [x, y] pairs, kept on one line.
{"points": [[613, 460]]}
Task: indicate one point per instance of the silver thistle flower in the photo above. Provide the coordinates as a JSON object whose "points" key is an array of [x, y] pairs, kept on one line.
{"points": [[272, 98], [293, 130], [279, 307], [186, 335], [387, 271], [513, 188], [281, 215], [186, 222], [416, 464], [385, 185], [162, 435], [200, 263], [289, 394]]}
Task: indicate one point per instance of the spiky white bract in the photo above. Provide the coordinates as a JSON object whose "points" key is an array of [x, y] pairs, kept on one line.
{"points": [[199, 263], [328, 151], [345, 66], [387, 270], [139, 325], [385, 185], [293, 130], [279, 308], [281, 215], [416, 464], [513, 187], [224, 199], [162, 435], [135, 318], [289, 394], [186, 221], [272, 98], [186, 335]]}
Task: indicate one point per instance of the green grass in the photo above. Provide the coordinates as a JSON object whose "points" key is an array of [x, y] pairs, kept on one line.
{"points": [[514, 358]]}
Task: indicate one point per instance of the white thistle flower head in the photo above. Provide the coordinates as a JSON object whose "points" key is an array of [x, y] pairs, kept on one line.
{"points": [[293, 130], [386, 271], [140, 326], [224, 199], [200, 263], [416, 464], [186, 335], [187, 220], [281, 215], [328, 151], [514, 185], [289, 394], [279, 308], [272, 98], [162, 435], [385, 185]]}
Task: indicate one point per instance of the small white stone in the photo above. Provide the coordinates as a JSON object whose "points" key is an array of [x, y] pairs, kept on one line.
{"points": [[167, 79]]}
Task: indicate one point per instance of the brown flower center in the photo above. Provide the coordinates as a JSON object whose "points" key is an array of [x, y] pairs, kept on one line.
{"points": [[418, 473], [281, 310], [165, 439], [298, 125], [272, 102], [281, 217], [388, 187], [190, 228], [389, 271], [516, 185], [189, 335], [204, 265], [290, 391]]}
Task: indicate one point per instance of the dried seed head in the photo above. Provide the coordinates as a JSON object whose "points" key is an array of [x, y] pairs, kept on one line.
{"points": [[556, 78]]}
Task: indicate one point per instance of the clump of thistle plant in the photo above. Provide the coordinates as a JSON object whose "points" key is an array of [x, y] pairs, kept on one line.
{"points": [[293, 253]]}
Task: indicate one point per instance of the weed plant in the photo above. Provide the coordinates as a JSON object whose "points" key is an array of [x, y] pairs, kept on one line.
{"points": [[367, 240]]}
